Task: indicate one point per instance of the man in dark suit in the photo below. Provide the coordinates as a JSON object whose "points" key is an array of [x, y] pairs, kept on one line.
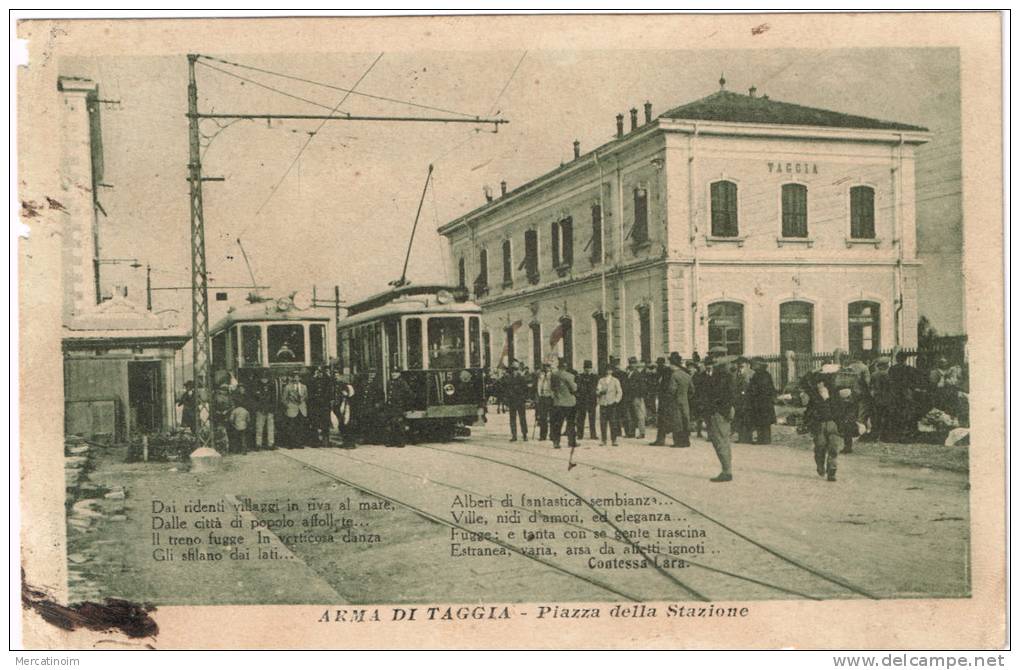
{"points": [[516, 389], [587, 381], [719, 397]]}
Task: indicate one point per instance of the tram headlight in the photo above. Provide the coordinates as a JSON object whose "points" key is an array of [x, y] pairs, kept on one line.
{"points": [[448, 389], [444, 297]]}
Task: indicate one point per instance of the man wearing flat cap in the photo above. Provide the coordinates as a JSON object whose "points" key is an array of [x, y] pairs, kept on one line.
{"points": [[719, 406]]}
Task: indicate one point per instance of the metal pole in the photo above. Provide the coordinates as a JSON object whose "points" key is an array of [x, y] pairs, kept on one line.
{"points": [[336, 313], [200, 344], [403, 274], [148, 287]]}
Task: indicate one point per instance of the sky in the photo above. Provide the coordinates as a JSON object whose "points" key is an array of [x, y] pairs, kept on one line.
{"points": [[344, 212]]}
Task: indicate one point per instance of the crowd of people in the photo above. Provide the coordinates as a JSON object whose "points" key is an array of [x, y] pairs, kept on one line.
{"points": [[727, 398], [286, 411]]}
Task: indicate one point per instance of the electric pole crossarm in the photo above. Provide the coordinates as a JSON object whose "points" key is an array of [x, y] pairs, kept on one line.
{"points": [[351, 117]]}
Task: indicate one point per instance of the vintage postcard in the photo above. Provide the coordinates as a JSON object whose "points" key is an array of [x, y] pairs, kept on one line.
{"points": [[586, 331]]}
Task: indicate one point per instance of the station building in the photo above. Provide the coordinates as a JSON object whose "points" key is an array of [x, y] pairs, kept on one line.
{"points": [[736, 220]]}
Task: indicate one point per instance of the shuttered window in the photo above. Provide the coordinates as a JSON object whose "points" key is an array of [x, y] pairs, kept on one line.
{"points": [[795, 210], [724, 209], [639, 233], [862, 213]]}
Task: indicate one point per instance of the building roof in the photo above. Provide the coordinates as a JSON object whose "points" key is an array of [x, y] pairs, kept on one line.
{"points": [[120, 317], [730, 107], [722, 106]]}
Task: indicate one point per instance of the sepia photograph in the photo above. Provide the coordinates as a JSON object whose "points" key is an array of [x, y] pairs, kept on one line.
{"points": [[540, 332]]}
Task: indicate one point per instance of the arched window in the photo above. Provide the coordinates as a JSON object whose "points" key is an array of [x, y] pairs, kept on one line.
{"points": [[724, 209], [645, 332], [726, 327], [796, 327], [862, 213], [461, 273], [794, 210], [482, 280], [864, 320]]}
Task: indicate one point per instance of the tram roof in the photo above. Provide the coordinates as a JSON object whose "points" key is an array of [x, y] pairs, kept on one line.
{"points": [[410, 306], [269, 310], [459, 294]]}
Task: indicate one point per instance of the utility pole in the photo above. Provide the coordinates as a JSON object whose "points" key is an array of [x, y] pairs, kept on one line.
{"points": [[148, 287], [200, 344]]}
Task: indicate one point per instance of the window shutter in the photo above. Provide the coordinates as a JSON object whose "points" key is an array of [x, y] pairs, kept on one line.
{"points": [[554, 236], [567, 228]]}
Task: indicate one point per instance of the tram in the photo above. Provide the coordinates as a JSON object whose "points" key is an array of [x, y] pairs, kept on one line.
{"points": [[429, 334], [272, 338]]}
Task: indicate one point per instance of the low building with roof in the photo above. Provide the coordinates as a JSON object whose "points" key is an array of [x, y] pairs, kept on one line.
{"points": [[733, 221]]}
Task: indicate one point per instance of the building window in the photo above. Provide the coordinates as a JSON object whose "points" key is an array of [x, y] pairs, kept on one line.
{"points": [[461, 273], [865, 325], [482, 280], [566, 236], [554, 242], [530, 263], [509, 349], [536, 346], [487, 350], [508, 268], [645, 332], [564, 336], [724, 209], [862, 213], [412, 335], [794, 210], [286, 343], [796, 327], [726, 327], [596, 234], [639, 233]]}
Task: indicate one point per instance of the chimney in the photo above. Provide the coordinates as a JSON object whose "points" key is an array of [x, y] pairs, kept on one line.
{"points": [[633, 118], [619, 125], [502, 187], [753, 91], [577, 149], [648, 112], [488, 193]]}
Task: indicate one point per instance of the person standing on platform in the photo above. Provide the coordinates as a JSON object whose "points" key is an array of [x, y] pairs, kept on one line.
{"points": [[564, 407], [264, 395], [683, 391], [516, 389], [295, 411], [634, 399], [665, 417], [240, 418], [587, 381], [543, 400], [609, 396], [187, 404], [398, 402], [825, 415], [719, 396], [699, 408], [742, 379], [320, 394], [760, 402], [881, 401]]}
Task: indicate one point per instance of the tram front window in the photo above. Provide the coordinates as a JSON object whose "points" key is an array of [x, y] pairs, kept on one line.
{"points": [[286, 343], [446, 342]]}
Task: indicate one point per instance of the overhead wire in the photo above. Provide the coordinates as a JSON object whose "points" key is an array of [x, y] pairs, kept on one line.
{"points": [[265, 86], [311, 135], [340, 88]]}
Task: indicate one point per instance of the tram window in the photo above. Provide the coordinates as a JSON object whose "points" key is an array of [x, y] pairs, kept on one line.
{"points": [[392, 344], [232, 354], [219, 350], [474, 346], [414, 353], [317, 341], [251, 345], [446, 342], [286, 343]]}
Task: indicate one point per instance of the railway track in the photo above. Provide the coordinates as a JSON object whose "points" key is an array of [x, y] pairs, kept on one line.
{"points": [[814, 572], [620, 535]]}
